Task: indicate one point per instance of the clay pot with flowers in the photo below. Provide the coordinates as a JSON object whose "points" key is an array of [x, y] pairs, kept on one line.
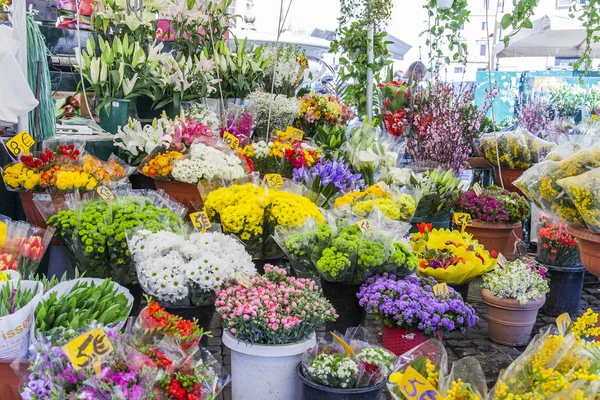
{"points": [[495, 213], [513, 294]]}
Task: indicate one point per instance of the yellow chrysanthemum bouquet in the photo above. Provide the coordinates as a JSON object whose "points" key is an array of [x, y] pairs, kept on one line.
{"points": [[450, 256], [252, 212], [556, 366]]}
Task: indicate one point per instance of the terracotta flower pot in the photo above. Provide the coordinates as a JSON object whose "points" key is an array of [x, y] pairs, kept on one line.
{"points": [[589, 248], [509, 175], [494, 236], [478, 162], [31, 211], [509, 322], [185, 193], [9, 381], [400, 341]]}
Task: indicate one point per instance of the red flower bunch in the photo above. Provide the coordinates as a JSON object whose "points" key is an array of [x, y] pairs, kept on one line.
{"points": [[8, 262], [155, 317], [68, 152], [396, 100], [45, 158], [555, 245]]}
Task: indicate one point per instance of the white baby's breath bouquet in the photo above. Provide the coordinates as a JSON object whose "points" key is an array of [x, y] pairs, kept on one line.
{"points": [[522, 280]]}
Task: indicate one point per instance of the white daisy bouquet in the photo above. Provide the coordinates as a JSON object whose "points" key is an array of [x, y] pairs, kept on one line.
{"points": [[183, 271]]}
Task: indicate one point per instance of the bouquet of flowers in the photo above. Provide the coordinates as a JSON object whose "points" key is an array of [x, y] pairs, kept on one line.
{"points": [[438, 189], [411, 304], [203, 114], [238, 120], [450, 256], [555, 245], [330, 179], [329, 365], [274, 112], [137, 142], [569, 359], [24, 247], [288, 69], [184, 271], [274, 309], [583, 192], [393, 204], [522, 280], [395, 98], [494, 205], [506, 149], [321, 109]]}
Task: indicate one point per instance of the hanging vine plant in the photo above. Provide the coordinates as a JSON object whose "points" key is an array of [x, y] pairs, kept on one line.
{"points": [[444, 33], [519, 18], [588, 14]]}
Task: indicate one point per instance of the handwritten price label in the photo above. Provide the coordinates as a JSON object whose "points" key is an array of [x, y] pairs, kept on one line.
{"points": [[243, 279], [477, 189], [88, 350], [346, 346], [274, 180], [294, 133], [462, 219], [20, 144], [365, 226], [563, 321], [200, 221], [502, 261], [415, 387], [105, 193], [441, 289], [231, 140]]}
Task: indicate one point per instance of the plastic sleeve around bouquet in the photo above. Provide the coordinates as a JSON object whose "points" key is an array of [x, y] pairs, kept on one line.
{"points": [[538, 147], [336, 262], [571, 144], [466, 378], [32, 247], [534, 184], [117, 169], [299, 243], [364, 150], [555, 246], [584, 192], [239, 120], [508, 148]]}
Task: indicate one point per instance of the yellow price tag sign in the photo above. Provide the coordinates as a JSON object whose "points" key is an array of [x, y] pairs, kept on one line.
{"points": [[88, 350], [274, 180], [349, 350], [231, 140], [477, 189], [462, 219], [365, 226], [441, 289], [415, 387], [20, 144], [294, 133], [243, 279], [200, 221], [105, 193], [563, 321]]}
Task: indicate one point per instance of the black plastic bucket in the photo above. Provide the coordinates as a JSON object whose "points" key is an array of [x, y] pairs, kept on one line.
{"points": [[462, 289], [343, 298], [566, 284], [313, 391], [204, 315]]}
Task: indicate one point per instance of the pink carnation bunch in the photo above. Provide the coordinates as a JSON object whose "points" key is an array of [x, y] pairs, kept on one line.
{"points": [[274, 308]]}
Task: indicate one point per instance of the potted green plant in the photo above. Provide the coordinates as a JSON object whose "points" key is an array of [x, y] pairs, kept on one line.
{"points": [[495, 214], [513, 294]]}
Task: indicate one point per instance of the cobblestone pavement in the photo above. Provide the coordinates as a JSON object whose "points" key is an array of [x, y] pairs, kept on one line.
{"points": [[493, 357]]}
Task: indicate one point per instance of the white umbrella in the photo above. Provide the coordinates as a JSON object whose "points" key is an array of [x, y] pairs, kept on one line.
{"points": [[550, 36]]}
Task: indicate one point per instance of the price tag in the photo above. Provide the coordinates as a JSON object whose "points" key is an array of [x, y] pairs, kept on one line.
{"points": [[501, 260], [105, 193], [88, 350], [365, 226], [231, 140], [462, 219], [346, 346], [20, 144], [200, 221], [562, 323], [243, 280], [415, 387], [441, 289], [274, 180], [294, 133], [115, 104], [477, 189]]}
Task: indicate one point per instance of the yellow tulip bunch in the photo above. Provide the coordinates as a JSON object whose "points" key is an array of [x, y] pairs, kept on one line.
{"points": [[69, 180], [19, 176]]}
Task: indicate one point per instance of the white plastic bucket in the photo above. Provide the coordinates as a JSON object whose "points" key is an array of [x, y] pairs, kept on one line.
{"points": [[265, 372]]}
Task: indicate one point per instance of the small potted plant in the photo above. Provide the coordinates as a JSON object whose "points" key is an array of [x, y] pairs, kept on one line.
{"points": [[269, 322], [513, 295], [411, 312], [559, 252], [496, 213]]}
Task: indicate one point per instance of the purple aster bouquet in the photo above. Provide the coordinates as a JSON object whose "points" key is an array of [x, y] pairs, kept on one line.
{"points": [[411, 304], [494, 205], [330, 179]]}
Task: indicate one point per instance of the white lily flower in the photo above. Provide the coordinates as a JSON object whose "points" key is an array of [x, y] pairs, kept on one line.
{"points": [[129, 84]]}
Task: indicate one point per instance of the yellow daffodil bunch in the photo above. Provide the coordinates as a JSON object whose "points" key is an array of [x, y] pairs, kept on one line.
{"points": [[67, 180], [18, 176], [450, 256], [555, 366], [396, 206]]}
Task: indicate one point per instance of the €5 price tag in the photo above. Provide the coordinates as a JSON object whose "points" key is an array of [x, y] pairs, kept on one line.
{"points": [[440, 289], [105, 193], [462, 219], [477, 189], [20, 144], [231, 140], [415, 387], [274, 180], [562, 323], [200, 221], [88, 350], [294, 133], [365, 226], [243, 279], [346, 346]]}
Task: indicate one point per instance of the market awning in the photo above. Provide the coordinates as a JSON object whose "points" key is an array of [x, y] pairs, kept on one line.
{"points": [[397, 47], [550, 36]]}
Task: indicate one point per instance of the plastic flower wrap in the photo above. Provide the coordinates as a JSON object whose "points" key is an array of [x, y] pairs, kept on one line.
{"points": [[395, 99], [25, 246], [394, 204], [328, 363], [437, 188], [494, 204], [522, 280], [274, 309], [555, 366], [184, 270], [161, 165], [410, 303], [584, 191], [114, 170], [510, 148], [321, 109], [555, 245], [539, 148], [274, 113], [450, 256], [239, 121]]}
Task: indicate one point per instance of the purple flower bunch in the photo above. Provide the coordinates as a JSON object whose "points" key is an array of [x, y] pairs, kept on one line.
{"points": [[411, 304], [240, 125], [38, 387], [483, 208], [330, 179]]}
